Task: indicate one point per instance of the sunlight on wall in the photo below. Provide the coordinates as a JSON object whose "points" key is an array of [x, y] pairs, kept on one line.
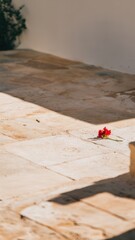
{"points": [[98, 32]]}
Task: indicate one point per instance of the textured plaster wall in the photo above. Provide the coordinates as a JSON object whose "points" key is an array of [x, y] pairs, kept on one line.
{"points": [[99, 32]]}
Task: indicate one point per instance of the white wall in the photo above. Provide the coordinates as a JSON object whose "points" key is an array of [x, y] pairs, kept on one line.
{"points": [[99, 32]]}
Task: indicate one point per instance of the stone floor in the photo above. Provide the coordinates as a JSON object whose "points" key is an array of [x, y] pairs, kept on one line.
{"points": [[57, 180]]}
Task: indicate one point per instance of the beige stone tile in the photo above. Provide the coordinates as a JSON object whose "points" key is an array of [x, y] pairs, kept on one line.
{"points": [[19, 109], [5, 139], [21, 203], [123, 135], [59, 122], [13, 227], [7, 99], [127, 133], [19, 177], [123, 123], [39, 125], [104, 166], [53, 150], [122, 207], [81, 232], [64, 214], [25, 128]]}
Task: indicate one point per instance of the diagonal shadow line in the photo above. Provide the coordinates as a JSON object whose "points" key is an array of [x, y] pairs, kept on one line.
{"points": [[121, 186], [76, 90], [130, 235]]}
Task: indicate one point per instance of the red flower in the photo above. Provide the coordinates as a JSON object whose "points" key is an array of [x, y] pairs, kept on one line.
{"points": [[104, 133]]}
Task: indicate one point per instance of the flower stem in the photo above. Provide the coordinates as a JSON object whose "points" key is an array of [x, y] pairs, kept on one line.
{"points": [[116, 140]]}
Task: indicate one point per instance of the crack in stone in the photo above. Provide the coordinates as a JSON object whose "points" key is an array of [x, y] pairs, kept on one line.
{"points": [[49, 227]]}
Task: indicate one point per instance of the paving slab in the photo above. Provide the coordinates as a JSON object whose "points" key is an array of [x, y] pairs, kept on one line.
{"points": [[38, 125], [53, 150], [19, 109], [19, 177], [57, 120], [121, 186], [103, 166], [122, 207], [123, 123], [12, 227], [6, 99], [25, 128], [4, 139], [21, 203], [62, 215], [119, 139], [53, 169]]}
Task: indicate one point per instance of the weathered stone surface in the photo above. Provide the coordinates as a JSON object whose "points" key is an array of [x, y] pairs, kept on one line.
{"points": [[38, 125], [132, 158], [94, 166], [19, 177], [123, 135], [5, 139], [121, 186], [55, 149], [12, 227], [50, 193], [19, 109], [6, 99], [80, 232], [50, 112], [121, 207], [63, 214]]}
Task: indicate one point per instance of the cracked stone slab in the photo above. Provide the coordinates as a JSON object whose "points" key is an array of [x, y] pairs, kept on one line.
{"points": [[80, 232], [13, 227], [61, 215], [53, 150], [19, 177]]}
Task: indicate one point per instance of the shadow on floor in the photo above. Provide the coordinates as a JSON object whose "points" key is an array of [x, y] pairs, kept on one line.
{"points": [[84, 92], [121, 186], [130, 235]]}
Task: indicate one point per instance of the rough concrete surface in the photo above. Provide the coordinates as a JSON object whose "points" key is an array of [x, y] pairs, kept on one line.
{"points": [[57, 179]]}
